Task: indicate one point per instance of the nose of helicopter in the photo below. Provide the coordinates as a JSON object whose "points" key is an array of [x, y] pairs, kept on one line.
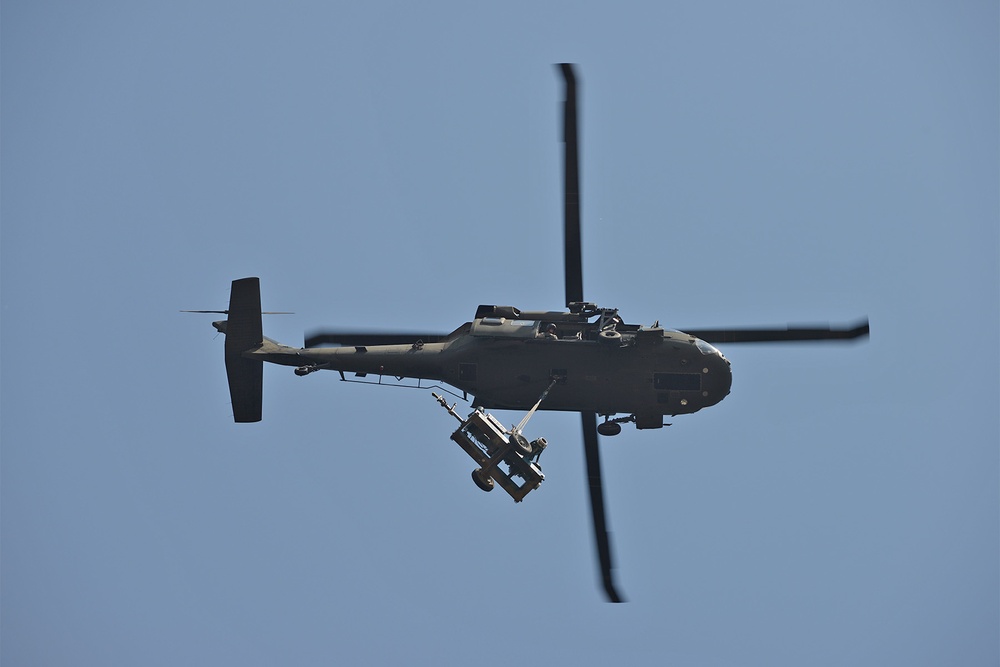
{"points": [[717, 378]]}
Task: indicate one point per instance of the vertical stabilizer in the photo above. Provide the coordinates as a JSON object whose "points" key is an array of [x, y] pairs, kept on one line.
{"points": [[244, 332]]}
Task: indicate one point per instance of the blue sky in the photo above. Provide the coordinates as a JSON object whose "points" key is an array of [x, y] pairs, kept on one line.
{"points": [[392, 165]]}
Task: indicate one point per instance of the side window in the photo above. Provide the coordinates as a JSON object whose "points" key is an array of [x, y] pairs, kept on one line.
{"points": [[677, 381]]}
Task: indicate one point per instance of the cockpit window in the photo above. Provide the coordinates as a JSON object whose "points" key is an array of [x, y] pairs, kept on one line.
{"points": [[706, 348]]}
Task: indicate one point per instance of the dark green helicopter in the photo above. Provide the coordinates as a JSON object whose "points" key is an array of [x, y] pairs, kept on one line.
{"points": [[584, 359]]}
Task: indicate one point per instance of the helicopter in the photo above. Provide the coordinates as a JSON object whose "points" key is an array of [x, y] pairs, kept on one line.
{"points": [[584, 359]]}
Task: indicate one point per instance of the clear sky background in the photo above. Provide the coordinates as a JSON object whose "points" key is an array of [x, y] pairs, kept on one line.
{"points": [[392, 165]]}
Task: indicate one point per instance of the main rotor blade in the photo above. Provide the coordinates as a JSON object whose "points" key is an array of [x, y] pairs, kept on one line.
{"points": [[571, 191], [790, 333], [226, 312], [318, 338], [596, 487]]}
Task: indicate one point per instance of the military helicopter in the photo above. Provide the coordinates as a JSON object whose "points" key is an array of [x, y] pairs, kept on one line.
{"points": [[584, 359]]}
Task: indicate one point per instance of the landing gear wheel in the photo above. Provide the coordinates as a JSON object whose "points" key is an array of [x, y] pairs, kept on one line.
{"points": [[610, 336], [483, 481], [609, 428], [521, 444]]}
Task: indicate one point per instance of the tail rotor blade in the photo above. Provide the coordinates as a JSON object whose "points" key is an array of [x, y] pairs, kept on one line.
{"points": [[571, 191], [596, 487], [226, 312]]}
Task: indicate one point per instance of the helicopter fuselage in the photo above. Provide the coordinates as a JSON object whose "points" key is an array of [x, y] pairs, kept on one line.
{"points": [[506, 363]]}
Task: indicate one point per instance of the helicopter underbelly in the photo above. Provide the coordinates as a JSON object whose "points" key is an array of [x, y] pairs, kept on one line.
{"points": [[595, 376]]}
